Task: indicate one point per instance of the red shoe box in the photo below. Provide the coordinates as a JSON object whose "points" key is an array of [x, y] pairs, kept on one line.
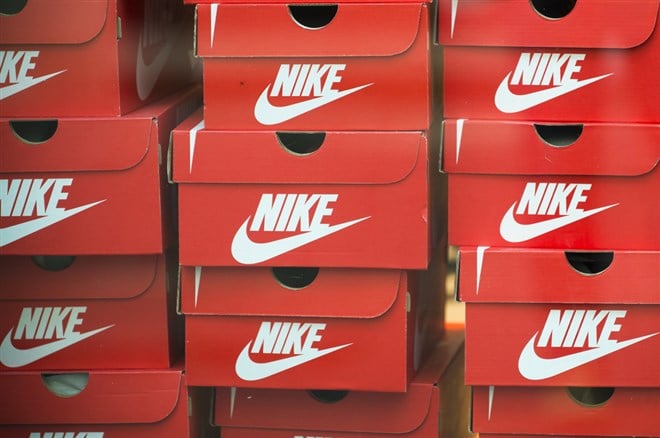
{"points": [[532, 318], [521, 184], [89, 186], [266, 68], [505, 60], [100, 312], [152, 403], [566, 411], [94, 58], [362, 199], [316, 328], [435, 405]]}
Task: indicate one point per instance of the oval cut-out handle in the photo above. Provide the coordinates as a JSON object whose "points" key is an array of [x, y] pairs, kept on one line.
{"points": [[328, 396], [559, 135], [34, 131], [590, 263], [301, 143], [313, 16], [66, 384], [295, 278], [53, 263], [590, 396], [553, 9], [12, 7]]}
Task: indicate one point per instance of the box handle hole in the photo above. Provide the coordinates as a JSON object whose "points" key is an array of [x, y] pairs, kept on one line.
{"points": [[295, 278], [53, 263], [313, 16], [301, 143], [590, 396], [65, 385], [12, 7], [559, 135], [590, 263], [34, 131], [553, 9], [328, 396]]}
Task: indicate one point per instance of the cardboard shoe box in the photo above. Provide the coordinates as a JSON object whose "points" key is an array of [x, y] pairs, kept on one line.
{"points": [[435, 405], [327, 199], [93, 58], [345, 66], [526, 184], [104, 312], [595, 61], [151, 403], [548, 318], [310, 328], [88, 186], [599, 411]]}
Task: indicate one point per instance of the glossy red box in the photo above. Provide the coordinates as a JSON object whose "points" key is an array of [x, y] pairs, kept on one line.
{"points": [[538, 317], [93, 58], [505, 60], [361, 199], [99, 312], [89, 186], [579, 186], [435, 405], [263, 70]]}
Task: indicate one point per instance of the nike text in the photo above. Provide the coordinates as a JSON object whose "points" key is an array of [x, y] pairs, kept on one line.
{"points": [[574, 328], [306, 79], [66, 435], [546, 68], [16, 71], [291, 212], [552, 198], [29, 197], [287, 338], [48, 322]]}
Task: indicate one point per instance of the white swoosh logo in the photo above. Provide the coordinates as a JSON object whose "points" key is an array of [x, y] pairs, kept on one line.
{"points": [[15, 232], [13, 357], [146, 76], [515, 232], [10, 90], [249, 370], [269, 114], [509, 102], [248, 252], [533, 367]]}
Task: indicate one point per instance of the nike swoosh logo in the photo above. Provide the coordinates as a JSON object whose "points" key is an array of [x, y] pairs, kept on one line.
{"points": [[269, 114], [10, 90], [13, 357], [515, 232], [248, 252], [15, 232], [146, 76], [533, 367], [509, 102], [251, 371]]}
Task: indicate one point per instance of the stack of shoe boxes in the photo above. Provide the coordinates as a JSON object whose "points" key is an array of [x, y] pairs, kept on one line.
{"points": [[551, 145], [311, 231], [90, 91]]}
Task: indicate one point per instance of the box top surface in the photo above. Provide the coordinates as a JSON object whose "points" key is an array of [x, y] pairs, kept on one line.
{"points": [[147, 396], [510, 275], [123, 277], [339, 293], [526, 148], [369, 412], [49, 22], [275, 30], [210, 156], [620, 24]]}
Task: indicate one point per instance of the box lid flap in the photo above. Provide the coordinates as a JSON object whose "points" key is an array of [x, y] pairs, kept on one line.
{"points": [[516, 23], [108, 397], [325, 292], [210, 156], [87, 277], [271, 30], [74, 145], [367, 412], [53, 22], [493, 275], [526, 148]]}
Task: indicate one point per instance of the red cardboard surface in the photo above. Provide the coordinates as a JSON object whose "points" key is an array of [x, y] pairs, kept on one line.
{"points": [[99, 313], [244, 328], [430, 407], [55, 55], [96, 186], [598, 63], [128, 404], [555, 411], [363, 199], [510, 187], [265, 71]]}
